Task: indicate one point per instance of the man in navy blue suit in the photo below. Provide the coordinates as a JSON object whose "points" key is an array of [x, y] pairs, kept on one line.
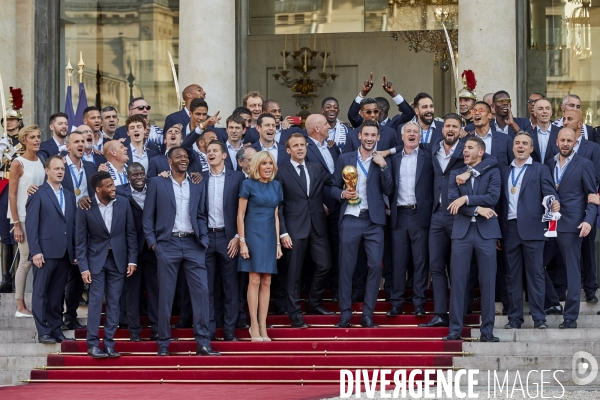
{"points": [[93, 119], [544, 145], [574, 179], [573, 102], [364, 221], [223, 187], [266, 126], [77, 180], [106, 252], [524, 185], [138, 149], [303, 186], [406, 111], [135, 192], [475, 230], [235, 124], [179, 237], [284, 127], [319, 150], [369, 111], [504, 121], [50, 229], [182, 117], [497, 144], [410, 206], [425, 118], [59, 126], [447, 156]]}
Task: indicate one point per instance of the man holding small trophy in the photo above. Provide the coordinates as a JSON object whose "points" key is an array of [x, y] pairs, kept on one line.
{"points": [[361, 179]]}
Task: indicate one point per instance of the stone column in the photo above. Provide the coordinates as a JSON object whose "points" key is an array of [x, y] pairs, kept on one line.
{"points": [[207, 51], [487, 44], [8, 44]]}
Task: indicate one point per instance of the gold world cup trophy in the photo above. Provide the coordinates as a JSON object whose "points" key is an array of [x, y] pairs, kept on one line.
{"points": [[350, 176]]}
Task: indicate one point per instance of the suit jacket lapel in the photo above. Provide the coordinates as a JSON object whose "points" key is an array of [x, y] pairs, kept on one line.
{"points": [[115, 217], [193, 198], [294, 173], [458, 152], [53, 198], [317, 153], [129, 195], [96, 212], [570, 168], [420, 163], [169, 186]]}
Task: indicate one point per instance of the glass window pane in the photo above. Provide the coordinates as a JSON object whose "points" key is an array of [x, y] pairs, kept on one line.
{"points": [[121, 39]]}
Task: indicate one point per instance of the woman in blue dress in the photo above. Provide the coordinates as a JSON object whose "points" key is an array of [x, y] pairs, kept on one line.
{"points": [[258, 227]]}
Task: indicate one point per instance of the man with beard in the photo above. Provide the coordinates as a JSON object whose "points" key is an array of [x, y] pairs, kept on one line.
{"points": [[447, 157], [92, 118], [425, 118], [533, 98], [89, 153], [475, 231], [154, 135], [267, 128], [496, 143], [543, 150], [330, 109], [504, 121], [59, 126], [362, 222], [284, 128], [182, 116], [406, 111], [573, 102], [110, 122], [235, 130], [574, 181], [369, 111]]}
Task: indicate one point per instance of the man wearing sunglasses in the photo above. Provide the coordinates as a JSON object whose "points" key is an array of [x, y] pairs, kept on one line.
{"points": [[369, 111], [533, 98], [154, 135], [573, 102], [504, 121]]}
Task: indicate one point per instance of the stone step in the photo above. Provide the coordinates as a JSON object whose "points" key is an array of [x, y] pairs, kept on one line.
{"points": [[559, 348], [12, 378], [543, 335], [514, 362], [564, 375], [16, 363], [30, 349], [16, 323], [584, 308], [553, 321], [18, 336]]}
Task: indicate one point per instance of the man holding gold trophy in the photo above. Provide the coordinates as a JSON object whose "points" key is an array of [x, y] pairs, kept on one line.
{"points": [[361, 179]]}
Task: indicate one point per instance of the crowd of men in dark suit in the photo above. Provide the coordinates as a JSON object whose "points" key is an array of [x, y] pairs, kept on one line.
{"points": [[148, 217]]}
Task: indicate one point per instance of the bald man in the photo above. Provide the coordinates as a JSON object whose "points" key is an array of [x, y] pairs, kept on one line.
{"points": [[116, 156], [89, 153], [543, 150], [191, 92], [572, 102], [488, 98]]}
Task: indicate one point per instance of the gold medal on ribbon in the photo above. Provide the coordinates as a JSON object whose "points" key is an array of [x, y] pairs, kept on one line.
{"points": [[557, 187], [513, 190], [77, 192]]}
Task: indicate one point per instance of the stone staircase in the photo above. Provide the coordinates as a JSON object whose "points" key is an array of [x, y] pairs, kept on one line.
{"points": [[20, 351], [526, 349]]}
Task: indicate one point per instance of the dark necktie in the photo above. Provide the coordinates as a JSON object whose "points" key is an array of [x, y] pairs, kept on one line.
{"points": [[303, 178]]}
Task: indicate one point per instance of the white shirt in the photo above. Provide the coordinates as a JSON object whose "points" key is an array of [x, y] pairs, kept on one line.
{"points": [[139, 197], [89, 157], [361, 187], [216, 185], [505, 130], [144, 160], [183, 221], [326, 154], [98, 145], [543, 138], [119, 178], [577, 144], [61, 147], [273, 150], [487, 139], [296, 165], [232, 152], [78, 174], [441, 156], [408, 178], [558, 170], [60, 196], [513, 198], [106, 211]]}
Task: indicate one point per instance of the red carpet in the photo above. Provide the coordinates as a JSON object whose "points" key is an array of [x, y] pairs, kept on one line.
{"points": [[309, 359]]}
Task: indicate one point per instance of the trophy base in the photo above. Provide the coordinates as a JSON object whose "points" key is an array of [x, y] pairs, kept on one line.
{"points": [[354, 202]]}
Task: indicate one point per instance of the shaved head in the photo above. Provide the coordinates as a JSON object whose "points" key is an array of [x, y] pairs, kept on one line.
{"points": [[312, 121], [110, 146]]}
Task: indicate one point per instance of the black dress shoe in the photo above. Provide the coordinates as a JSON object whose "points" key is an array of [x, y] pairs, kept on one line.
{"points": [[452, 336], [319, 310], [554, 310], [95, 352], [489, 339], [540, 325], [241, 324], [46, 339], [591, 299], [394, 311], [367, 322], [154, 336], [163, 350], [111, 352], [182, 324], [135, 337], [436, 322], [512, 324], [229, 336], [344, 323], [419, 311], [298, 322], [61, 338], [206, 351], [568, 324], [212, 337], [72, 325]]}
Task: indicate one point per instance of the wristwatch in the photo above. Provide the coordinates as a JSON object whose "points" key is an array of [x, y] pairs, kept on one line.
{"points": [[242, 240], [384, 167]]}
